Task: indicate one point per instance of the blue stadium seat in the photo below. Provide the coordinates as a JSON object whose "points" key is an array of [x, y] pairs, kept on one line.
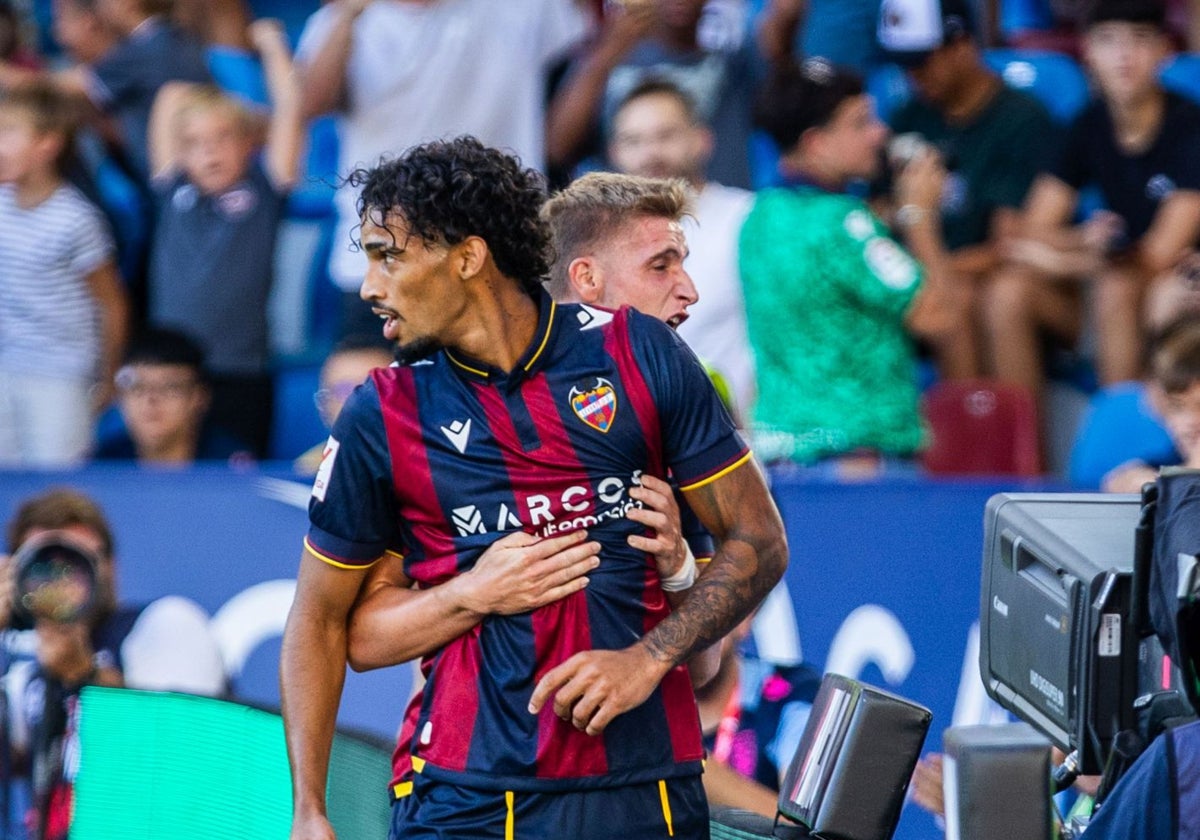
{"points": [[1182, 75], [293, 13], [1055, 79], [239, 73], [1120, 426], [312, 197], [296, 426], [890, 89]]}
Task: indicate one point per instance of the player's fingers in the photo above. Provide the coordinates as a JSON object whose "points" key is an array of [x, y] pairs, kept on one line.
{"points": [[541, 549], [649, 517], [550, 682], [653, 482], [585, 709], [651, 545], [649, 496], [602, 717], [568, 695], [557, 593], [586, 554], [517, 539]]}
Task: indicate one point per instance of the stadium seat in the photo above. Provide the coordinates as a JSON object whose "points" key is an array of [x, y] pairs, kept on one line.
{"points": [[1055, 79], [890, 89], [296, 426], [1120, 426], [981, 427], [238, 72], [1182, 75]]}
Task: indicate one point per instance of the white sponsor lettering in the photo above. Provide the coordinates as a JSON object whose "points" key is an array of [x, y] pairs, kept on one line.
{"points": [[574, 493], [539, 509], [468, 520], [325, 471]]}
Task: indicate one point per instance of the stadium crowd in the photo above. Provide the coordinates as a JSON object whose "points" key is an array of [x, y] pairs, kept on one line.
{"points": [[916, 225]]}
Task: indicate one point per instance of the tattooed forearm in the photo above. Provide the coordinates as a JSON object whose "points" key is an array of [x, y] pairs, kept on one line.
{"points": [[750, 559]]}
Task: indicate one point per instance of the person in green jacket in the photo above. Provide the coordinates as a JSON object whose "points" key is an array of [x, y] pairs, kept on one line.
{"points": [[832, 297]]}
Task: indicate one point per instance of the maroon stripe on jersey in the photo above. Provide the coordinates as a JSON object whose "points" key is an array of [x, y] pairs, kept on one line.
{"points": [[456, 704], [560, 629], [679, 703], [413, 477], [616, 344]]}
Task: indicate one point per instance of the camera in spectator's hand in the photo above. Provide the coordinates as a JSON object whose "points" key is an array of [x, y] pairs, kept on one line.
{"points": [[55, 581]]}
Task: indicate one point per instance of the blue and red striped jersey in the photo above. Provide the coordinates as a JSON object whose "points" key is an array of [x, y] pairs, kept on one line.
{"points": [[438, 459]]}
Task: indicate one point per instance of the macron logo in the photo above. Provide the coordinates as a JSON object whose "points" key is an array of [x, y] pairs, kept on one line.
{"points": [[458, 432]]}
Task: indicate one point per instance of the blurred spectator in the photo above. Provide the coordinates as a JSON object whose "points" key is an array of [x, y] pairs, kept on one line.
{"points": [[399, 74], [220, 205], [12, 47], [163, 395], [830, 296], [165, 645], [81, 32], [657, 134], [63, 311], [753, 714], [345, 368], [1175, 392], [1137, 143], [659, 39], [123, 81], [993, 140]]}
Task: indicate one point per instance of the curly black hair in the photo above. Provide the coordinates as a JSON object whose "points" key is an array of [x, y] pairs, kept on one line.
{"points": [[447, 190]]}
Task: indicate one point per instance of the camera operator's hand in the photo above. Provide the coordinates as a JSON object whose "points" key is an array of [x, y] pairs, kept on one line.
{"points": [[64, 650], [920, 182]]}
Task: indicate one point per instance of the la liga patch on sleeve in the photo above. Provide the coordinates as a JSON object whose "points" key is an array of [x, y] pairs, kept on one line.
{"points": [[325, 471]]}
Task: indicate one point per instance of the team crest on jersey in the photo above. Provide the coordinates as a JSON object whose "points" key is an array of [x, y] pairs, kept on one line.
{"points": [[596, 406]]}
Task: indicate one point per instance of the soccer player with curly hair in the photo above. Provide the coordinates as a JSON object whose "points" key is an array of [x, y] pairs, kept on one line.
{"points": [[500, 462]]}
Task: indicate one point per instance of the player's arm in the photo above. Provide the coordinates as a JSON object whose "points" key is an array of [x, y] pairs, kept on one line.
{"points": [[593, 687], [323, 76], [394, 623], [312, 670]]}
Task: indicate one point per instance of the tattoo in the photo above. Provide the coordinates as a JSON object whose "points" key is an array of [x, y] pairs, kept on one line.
{"points": [[750, 560]]}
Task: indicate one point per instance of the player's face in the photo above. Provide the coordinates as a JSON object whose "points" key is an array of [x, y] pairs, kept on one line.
{"points": [[410, 285], [653, 137], [161, 404], [642, 266], [853, 139], [214, 148], [1181, 415], [1124, 58]]}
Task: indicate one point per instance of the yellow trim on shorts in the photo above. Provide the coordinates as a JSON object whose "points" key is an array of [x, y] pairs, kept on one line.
{"points": [[509, 818], [401, 790], [418, 764], [666, 806], [717, 475], [336, 563]]}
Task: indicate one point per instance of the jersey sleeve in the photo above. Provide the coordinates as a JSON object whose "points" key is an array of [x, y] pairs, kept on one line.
{"points": [[875, 269], [352, 518], [700, 441], [93, 244]]}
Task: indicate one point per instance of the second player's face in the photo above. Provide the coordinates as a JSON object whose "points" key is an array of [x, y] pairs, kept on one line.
{"points": [[409, 284], [642, 267]]}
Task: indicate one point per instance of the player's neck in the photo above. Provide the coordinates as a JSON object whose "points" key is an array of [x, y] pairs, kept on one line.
{"points": [[503, 322]]}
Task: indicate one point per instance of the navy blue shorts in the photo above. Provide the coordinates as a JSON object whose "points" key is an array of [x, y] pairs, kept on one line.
{"points": [[673, 808]]}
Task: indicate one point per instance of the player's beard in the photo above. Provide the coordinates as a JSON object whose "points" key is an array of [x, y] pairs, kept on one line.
{"points": [[416, 350]]}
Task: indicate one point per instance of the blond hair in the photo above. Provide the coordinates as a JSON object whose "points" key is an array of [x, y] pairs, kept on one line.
{"points": [[598, 206], [199, 99]]}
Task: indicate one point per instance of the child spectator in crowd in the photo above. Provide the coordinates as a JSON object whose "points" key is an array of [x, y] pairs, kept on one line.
{"points": [[1175, 393], [221, 196], [830, 296], [345, 368], [63, 310], [163, 395], [1138, 143]]}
